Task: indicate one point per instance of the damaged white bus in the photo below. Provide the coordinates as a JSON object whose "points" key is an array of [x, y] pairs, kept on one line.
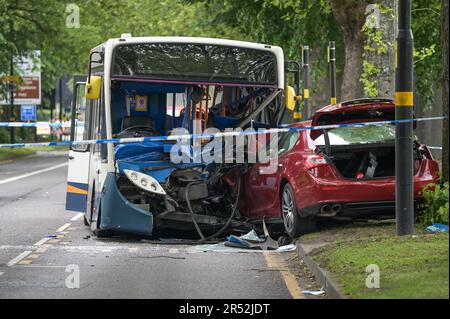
{"points": [[148, 86]]}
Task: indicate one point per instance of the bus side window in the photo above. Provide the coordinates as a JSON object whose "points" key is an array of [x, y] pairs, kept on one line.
{"points": [[81, 129]]}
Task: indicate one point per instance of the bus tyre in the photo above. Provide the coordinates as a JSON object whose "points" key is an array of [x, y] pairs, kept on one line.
{"points": [[86, 223], [294, 224], [103, 233]]}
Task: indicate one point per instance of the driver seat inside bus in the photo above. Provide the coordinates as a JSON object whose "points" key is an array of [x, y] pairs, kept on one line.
{"points": [[137, 121], [137, 126]]}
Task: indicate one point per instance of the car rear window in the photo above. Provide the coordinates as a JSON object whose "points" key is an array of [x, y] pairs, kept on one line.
{"points": [[358, 135]]}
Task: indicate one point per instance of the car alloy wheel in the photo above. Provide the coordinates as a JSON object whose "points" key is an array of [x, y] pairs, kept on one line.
{"points": [[288, 209]]}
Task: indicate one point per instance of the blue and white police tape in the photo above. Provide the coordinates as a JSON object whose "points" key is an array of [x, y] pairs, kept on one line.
{"points": [[39, 124], [233, 132]]}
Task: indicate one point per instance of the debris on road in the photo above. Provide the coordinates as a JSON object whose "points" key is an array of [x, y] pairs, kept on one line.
{"points": [[313, 292], [286, 248], [437, 228]]}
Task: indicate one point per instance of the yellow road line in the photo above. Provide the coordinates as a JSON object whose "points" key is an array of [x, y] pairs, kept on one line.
{"points": [[273, 260]]}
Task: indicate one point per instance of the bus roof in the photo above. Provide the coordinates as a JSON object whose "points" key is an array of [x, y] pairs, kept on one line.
{"points": [[109, 46]]}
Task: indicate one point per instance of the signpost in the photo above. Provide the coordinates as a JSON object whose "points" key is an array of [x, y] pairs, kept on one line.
{"points": [[27, 79], [27, 113], [404, 102], [23, 84]]}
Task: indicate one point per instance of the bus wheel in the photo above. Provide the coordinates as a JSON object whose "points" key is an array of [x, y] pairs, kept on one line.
{"points": [[101, 233]]}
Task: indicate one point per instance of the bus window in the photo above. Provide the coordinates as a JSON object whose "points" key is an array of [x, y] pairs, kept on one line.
{"points": [[81, 120]]}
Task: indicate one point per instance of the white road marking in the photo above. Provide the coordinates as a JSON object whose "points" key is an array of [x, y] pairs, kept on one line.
{"points": [[13, 179], [14, 261], [42, 241], [63, 227], [77, 217]]}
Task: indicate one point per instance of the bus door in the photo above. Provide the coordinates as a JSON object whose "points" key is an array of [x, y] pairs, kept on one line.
{"points": [[79, 155]]}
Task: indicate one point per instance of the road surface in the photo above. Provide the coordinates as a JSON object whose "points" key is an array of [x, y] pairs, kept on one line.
{"points": [[35, 265]]}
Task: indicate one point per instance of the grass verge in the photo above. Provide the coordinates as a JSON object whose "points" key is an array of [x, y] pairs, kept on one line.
{"points": [[410, 266], [13, 153]]}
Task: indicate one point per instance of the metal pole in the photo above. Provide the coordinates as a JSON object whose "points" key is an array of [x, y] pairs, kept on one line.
{"points": [[52, 107], [305, 61], [297, 78], [60, 107], [11, 100], [404, 102], [332, 64]]}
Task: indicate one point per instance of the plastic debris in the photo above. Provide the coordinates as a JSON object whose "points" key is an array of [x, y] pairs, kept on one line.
{"points": [[437, 228], [252, 236], [313, 292], [286, 248]]}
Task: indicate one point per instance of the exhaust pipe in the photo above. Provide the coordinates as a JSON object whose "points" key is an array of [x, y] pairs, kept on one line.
{"points": [[326, 211], [336, 208]]}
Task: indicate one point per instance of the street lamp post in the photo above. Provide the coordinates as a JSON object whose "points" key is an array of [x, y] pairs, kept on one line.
{"points": [[404, 102]]}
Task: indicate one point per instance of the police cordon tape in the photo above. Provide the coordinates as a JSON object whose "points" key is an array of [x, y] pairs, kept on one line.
{"points": [[39, 124], [218, 135]]}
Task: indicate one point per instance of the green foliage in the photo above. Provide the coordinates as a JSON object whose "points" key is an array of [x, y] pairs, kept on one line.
{"points": [[428, 64], [436, 204], [27, 25], [370, 72]]}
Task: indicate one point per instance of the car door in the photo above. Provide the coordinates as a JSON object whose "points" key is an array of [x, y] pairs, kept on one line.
{"points": [[79, 155], [263, 181]]}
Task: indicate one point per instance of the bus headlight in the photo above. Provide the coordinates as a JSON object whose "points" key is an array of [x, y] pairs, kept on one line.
{"points": [[144, 182]]}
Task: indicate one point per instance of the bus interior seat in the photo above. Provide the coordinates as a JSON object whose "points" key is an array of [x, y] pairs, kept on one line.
{"points": [[140, 121]]}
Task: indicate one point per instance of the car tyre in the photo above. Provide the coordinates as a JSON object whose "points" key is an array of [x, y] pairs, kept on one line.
{"points": [[294, 224]]}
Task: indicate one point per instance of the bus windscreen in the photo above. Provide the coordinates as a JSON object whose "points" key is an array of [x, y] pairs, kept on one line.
{"points": [[195, 62]]}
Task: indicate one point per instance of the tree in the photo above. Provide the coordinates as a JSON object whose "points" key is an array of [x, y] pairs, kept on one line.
{"points": [[351, 16], [445, 101], [378, 74]]}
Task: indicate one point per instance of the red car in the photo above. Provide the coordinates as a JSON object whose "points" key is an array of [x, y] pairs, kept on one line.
{"points": [[346, 172]]}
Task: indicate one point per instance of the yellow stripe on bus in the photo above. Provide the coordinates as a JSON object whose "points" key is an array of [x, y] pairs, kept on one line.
{"points": [[76, 190], [404, 99]]}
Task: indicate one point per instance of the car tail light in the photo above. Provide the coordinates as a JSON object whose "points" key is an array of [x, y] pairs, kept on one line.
{"points": [[416, 165], [314, 161]]}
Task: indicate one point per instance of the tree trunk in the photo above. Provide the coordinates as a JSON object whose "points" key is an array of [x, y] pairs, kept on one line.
{"points": [[381, 18], [351, 16], [445, 101]]}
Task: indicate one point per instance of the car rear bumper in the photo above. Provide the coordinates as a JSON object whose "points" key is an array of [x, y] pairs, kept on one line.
{"points": [[376, 210], [354, 197]]}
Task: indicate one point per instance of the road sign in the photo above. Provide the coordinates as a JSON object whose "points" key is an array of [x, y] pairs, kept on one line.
{"points": [[12, 78], [28, 70], [28, 113]]}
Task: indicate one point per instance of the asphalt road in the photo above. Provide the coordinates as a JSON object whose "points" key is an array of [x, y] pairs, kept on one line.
{"points": [[33, 265]]}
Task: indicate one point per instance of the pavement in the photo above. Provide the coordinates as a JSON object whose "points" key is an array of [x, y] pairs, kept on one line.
{"points": [[44, 250]]}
